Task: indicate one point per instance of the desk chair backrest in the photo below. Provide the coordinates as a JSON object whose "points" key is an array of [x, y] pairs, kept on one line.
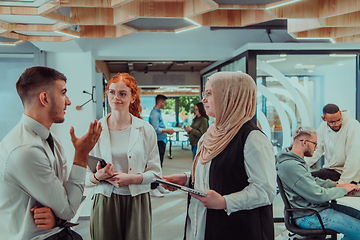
{"points": [[287, 214], [292, 227]]}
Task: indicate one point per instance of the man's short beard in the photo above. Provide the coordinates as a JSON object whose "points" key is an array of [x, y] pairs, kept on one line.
{"points": [[333, 129], [307, 153], [53, 112]]}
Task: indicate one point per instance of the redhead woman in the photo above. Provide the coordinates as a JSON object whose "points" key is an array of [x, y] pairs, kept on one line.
{"points": [[234, 165], [121, 203]]}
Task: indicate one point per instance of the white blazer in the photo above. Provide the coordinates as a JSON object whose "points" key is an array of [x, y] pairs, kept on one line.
{"points": [[143, 156]]}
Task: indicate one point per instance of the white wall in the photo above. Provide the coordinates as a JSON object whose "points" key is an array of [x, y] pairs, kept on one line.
{"points": [[339, 85], [79, 68], [11, 107], [191, 79]]}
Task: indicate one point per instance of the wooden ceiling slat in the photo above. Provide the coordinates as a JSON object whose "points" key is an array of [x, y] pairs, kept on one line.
{"points": [[350, 20], [329, 32], [86, 3], [102, 67], [338, 19], [46, 8], [196, 7], [354, 38], [329, 8], [299, 25], [103, 31], [92, 16], [58, 17], [18, 11], [301, 9], [225, 18], [154, 8]]}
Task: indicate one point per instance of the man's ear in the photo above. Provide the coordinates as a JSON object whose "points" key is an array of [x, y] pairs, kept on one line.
{"points": [[44, 98], [323, 118]]}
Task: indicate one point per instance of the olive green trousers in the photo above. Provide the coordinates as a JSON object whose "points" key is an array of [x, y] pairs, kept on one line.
{"points": [[121, 217]]}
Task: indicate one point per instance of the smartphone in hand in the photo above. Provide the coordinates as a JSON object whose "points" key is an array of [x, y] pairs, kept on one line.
{"points": [[102, 163], [93, 162]]}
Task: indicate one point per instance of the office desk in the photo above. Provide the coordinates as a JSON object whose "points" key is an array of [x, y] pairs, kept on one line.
{"points": [[353, 202]]}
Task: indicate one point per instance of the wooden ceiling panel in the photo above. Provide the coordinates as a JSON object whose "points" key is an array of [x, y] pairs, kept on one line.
{"points": [[338, 19], [196, 7], [301, 9], [154, 8], [18, 11], [355, 38], [231, 18], [329, 8], [85, 3], [103, 31], [329, 32], [92, 16], [350, 20], [299, 25]]}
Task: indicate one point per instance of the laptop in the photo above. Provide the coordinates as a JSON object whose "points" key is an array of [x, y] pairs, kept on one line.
{"points": [[354, 193]]}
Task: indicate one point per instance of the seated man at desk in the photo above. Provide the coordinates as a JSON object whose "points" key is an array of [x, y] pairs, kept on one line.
{"points": [[305, 191], [339, 141]]}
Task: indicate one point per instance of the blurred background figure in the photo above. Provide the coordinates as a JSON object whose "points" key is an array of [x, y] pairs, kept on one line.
{"points": [[198, 127]]}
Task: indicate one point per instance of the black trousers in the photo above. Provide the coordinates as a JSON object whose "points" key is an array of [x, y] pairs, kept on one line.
{"points": [[161, 147], [326, 173], [65, 234]]}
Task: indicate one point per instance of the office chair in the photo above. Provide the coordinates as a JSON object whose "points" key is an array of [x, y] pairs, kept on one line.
{"points": [[292, 227]]}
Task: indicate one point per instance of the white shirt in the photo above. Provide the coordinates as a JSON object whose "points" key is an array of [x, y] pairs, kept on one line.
{"points": [[142, 156], [119, 149], [259, 162], [31, 175], [341, 148]]}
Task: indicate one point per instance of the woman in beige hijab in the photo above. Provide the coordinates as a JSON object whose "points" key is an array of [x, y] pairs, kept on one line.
{"points": [[234, 165]]}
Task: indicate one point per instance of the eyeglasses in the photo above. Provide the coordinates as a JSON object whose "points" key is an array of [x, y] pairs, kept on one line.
{"points": [[315, 143], [206, 94], [335, 123], [120, 94]]}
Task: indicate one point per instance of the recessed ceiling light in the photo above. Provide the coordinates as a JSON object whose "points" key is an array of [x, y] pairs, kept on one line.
{"points": [[279, 5], [342, 55], [311, 39], [300, 66], [275, 60]]}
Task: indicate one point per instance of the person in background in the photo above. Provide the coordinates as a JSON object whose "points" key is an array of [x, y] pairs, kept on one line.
{"points": [[198, 127], [37, 193], [234, 165], [157, 122], [339, 140], [121, 204], [305, 191]]}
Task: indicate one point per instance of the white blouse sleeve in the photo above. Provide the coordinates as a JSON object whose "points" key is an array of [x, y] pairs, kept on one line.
{"points": [[260, 167]]}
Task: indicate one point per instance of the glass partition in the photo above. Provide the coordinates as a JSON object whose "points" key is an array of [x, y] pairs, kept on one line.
{"points": [[292, 90]]}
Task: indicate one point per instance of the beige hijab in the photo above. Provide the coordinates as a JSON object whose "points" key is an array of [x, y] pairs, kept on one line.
{"points": [[234, 97]]}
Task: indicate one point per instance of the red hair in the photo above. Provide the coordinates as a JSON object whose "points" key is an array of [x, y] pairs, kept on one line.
{"points": [[134, 108]]}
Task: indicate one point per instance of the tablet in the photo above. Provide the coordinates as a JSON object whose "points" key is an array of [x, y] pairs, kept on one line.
{"points": [[92, 162], [186, 189]]}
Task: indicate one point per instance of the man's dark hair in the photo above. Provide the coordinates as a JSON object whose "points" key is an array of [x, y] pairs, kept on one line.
{"points": [[160, 98], [330, 109], [35, 80]]}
